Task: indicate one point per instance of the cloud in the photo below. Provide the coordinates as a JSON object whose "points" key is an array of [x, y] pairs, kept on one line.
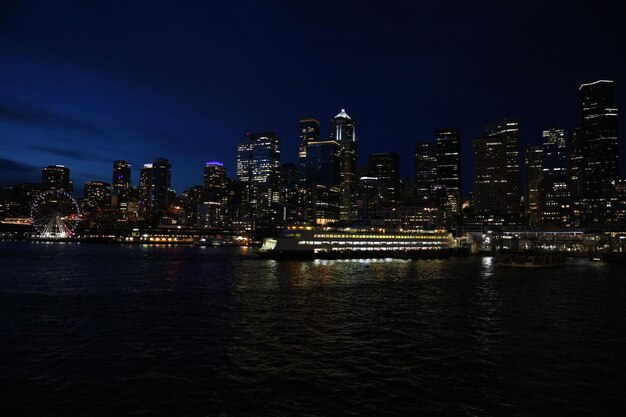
{"points": [[17, 111], [70, 153], [13, 172]]}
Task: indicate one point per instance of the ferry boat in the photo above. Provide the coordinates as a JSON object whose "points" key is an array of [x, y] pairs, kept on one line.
{"points": [[305, 242]]}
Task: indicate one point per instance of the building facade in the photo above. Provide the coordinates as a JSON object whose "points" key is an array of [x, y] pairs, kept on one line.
{"points": [[343, 131], [258, 170], [448, 167]]}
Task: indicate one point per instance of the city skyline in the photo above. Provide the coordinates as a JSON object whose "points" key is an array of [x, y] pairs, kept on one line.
{"points": [[144, 81]]}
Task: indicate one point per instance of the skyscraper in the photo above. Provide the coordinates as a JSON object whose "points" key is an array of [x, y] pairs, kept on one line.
{"points": [[386, 167], [258, 169], [555, 201], [121, 183], [322, 163], [496, 171], [533, 164], [154, 185], [309, 132], [215, 182], [56, 177], [599, 166], [448, 163], [343, 132], [121, 175], [425, 170]]}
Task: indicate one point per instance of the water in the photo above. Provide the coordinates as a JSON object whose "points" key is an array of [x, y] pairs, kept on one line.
{"points": [[180, 331]]}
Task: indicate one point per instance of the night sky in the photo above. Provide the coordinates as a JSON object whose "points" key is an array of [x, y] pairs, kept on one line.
{"points": [[85, 83]]}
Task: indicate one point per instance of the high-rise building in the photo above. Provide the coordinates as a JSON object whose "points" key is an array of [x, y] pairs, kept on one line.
{"points": [[121, 184], [154, 185], [343, 131], [258, 169], [599, 166], [121, 175], [309, 132], [56, 177], [289, 194], [322, 163], [425, 171], [555, 199], [448, 167], [533, 168], [386, 167], [215, 182], [97, 195], [496, 171]]}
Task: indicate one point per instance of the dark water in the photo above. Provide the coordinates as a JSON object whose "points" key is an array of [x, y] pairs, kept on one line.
{"points": [[89, 330]]}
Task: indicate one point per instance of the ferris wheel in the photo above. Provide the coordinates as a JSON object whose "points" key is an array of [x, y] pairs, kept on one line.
{"points": [[55, 214]]}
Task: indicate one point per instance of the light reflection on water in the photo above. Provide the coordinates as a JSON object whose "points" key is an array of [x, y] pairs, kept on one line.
{"points": [[218, 331]]}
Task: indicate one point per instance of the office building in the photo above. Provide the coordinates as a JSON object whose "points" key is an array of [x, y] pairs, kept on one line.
{"points": [[496, 172], [154, 186], [425, 171], [97, 195], [309, 132], [599, 151], [322, 163], [386, 168], [448, 168], [555, 196], [56, 177], [533, 169], [258, 170], [343, 131]]}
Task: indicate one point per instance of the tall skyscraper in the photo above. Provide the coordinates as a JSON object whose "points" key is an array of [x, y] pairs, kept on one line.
{"points": [[496, 171], [154, 185], [386, 167], [56, 177], [215, 182], [258, 169], [533, 169], [555, 201], [448, 164], [425, 170], [343, 131], [599, 166], [322, 163], [121, 175], [289, 195], [309, 132], [121, 183]]}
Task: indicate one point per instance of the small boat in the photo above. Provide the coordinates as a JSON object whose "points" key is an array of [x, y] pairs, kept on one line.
{"points": [[525, 260]]}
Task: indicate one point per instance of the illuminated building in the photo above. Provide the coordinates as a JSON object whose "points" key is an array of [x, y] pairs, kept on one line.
{"points": [[496, 171], [289, 193], [154, 186], [372, 193], [258, 170], [56, 177], [386, 168], [343, 132], [555, 199], [599, 151], [309, 132], [215, 183], [97, 195], [425, 171], [448, 168], [533, 168], [121, 183]]}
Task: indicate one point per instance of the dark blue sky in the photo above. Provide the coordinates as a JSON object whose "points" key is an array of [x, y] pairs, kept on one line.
{"points": [[84, 83]]}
